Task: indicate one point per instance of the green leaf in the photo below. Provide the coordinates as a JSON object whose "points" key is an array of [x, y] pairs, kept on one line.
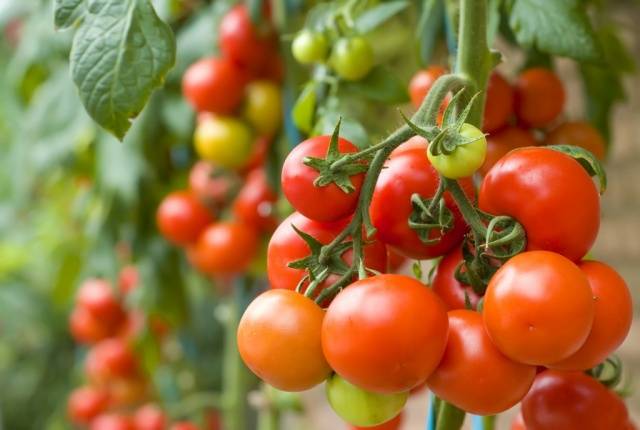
{"points": [[587, 160], [493, 20], [303, 111], [429, 27], [559, 27], [416, 268], [120, 54], [68, 12], [380, 85], [376, 16], [350, 128]]}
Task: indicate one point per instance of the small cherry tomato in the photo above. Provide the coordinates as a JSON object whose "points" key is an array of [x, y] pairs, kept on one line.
{"points": [[150, 417], [393, 424], [501, 143], [263, 107], [88, 329], [214, 85], [111, 358], [352, 58], [254, 204], [579, 133], [279, 340], [361, 407], [181, 218], [85, 403], [224, 248], [126, 391], [539, 97], [421, 83], [112, 421], [212, 185], [499, 104], [224, 141], [309, 47], [465, 159], [448, 288], [98, 297]]}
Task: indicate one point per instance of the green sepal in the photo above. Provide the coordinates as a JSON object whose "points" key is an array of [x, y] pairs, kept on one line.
{"points": [[312, 264], [587, 160]]}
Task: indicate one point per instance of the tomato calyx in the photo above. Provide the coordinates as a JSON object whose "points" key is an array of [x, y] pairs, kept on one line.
{"points": [[587, 160], [429, 215], [610, 374]]}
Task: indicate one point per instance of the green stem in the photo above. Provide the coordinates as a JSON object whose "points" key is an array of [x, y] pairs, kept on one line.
{"points": [[467, 209], [269, 419], [489, 422], [449, 417]]}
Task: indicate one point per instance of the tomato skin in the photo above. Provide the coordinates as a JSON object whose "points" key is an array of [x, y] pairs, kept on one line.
{"points": [[112, 421], [263, 107], [448, 288], [550, 194], [212, 185], [518, 422], [466, 159], [352, 58], [224, 248], [328, 203], [254, 204], [86, 328], [579, 133], [572, 401], [422, 81], [393, 424], [612, 319], [501, 143], [214, 85], [111, 358], [85, 403], [150, 417], [279, 340], [128, 279], [361, 407], [309, 47], [499, 104], [126, 391], [181, 217], [224, 141], [539, 97], [538, 308], [99, 299], [385, 333], [473, 374], [408, 171]]}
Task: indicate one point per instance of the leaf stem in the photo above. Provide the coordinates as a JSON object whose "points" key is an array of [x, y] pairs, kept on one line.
{"points": [[449, 417]]}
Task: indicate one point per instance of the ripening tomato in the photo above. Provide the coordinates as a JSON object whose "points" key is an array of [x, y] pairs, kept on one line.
{"points": [[112, 421], [214, 85], [243, 42], [86, 328], [408, 171], [85, 403], [181, 218], [612, 319], [501, 143], [126, 391], [539, 97], [309, 47], [98, 297], [550, 194], [128, 279], [279, 340], [579, 133], [465, 159], [393, 424], [360, 407], [448, 288], [499, 104], [352, 58], [572, 401], [538, 308], [212, 185], [224, 141], [150, 417], [111, 358], [385, 333], [320, 203], [422, 82], [224, 248], [255, 203], [473, 374], [184, 425], [263, 107], [518, 422]]}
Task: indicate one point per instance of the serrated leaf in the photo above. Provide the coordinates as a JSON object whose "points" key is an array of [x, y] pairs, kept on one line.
{"points": [[560, 27], [120, 54], [380, 85], [304, 109], [587, 160], [67, 12], [376, 16]]}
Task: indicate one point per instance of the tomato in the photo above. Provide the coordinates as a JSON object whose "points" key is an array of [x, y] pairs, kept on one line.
{"points": [[361, 407], [287, 246], [539, 97], [499, 104], [225, 141], [395, 261], [465, 159], [385, 334], [214, 85], [99, 299], [263, 107], [150, 417], [422, 82], [128, 279], [86, 328], [538, 308], [352, 58], [225, 248], [550, 194], [111, 358], [572, 401], [243, 42], [126, 391], [448, 288], [258, 154], [325, 203], [309, 47], [255, 202], [502, 142], [279, 340], [408, 171], [112, 421], [393, 424], [612, 319], [85, 403], [184, 425], [212, 185], [518, 422], [473, 374], [579, 133], [181, 218]]}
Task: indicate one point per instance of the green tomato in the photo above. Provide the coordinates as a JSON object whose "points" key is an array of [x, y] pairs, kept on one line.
{"points": [[465, 159], [352, 58], [224, 141], [360, 407], [309, 47]]}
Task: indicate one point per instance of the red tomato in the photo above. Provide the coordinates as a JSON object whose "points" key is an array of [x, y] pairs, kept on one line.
{"points": [[85, 403], [538, 308], [385, 334], [181, 218], [539, 97], [244, 43], [447, 287], [408, 171], [612, 319], [572, 401], [550, 194], [184, 425], [112, 421], [85, 328], [518, 422], [214, 85], [499, 105], [111, 358], [255, 204], [287, 246], [394, 260], [224, 248], [422, 82], [128, 279], [99, 299], [279, 340], [579, 133], [326, 203], [212, 185], [501, 143], [258, 154], [473, 375], [393, 424], [127, 391], [150, 417]]}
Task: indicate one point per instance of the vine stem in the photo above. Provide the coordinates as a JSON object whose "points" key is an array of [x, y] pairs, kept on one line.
{"points": [[449, 417]]}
